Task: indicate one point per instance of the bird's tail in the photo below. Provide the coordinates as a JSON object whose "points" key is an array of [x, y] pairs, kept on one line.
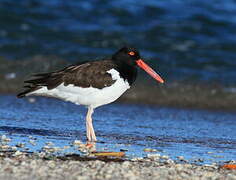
{"points": [[49, 80]]}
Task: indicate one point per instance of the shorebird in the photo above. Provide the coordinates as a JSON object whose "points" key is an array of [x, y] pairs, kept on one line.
{"points": [[91, 84]]}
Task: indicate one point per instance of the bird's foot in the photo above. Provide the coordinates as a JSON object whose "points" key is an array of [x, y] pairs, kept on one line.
{"points": [[90, 146], [91, 141]]}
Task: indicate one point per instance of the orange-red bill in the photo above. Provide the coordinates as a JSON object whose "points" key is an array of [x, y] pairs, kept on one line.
{"points": [[149, 70]]}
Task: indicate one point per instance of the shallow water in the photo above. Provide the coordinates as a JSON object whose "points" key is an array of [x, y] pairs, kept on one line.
{"points": [[194, 134]]}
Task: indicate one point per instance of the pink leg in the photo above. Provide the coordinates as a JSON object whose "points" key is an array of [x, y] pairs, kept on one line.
{"points": [[89, 126]]}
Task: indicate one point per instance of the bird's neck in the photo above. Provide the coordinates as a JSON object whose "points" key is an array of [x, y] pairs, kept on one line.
{"points": [[127, 72]]}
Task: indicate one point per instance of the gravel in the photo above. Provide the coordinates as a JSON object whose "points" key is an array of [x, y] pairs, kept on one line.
{"points": [[16, 163], [20, 165]]}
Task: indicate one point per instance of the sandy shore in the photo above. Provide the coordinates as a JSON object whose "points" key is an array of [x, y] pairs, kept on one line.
{"points": [[32, 166]]}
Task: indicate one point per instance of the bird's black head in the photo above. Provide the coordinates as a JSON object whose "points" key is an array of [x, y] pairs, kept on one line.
{"points": [[127, 55], [127, 58]]}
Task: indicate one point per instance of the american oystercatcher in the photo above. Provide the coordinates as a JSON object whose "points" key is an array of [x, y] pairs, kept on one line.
{"points": [[91, 84]]}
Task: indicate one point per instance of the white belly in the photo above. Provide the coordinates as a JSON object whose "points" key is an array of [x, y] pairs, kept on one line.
{"points": [[90, 96]]}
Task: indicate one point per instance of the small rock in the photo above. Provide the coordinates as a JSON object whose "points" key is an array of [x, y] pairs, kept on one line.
{"points": [[49, 143], [126, 164], [164, 157], [5, 138], [199, 160], [82, 150], [211, 166], [169, 161], [149, 150], [20, 145], [137, 159], [51, 164], [181, 158], [14, 148], [153, 156], [48, 149], [57, 149], [77, 143], [123, 150], [33, 138], [41, 154], [18, 153], [4, 147]]}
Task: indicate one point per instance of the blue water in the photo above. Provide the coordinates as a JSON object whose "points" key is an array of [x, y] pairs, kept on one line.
{"points": [[194, 134], [184, 40]]}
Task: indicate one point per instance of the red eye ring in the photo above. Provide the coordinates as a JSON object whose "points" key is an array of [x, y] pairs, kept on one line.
{"points": [[131, 53]]}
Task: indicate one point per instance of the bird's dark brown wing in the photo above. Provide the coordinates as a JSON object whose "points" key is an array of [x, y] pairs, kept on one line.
{"points": [[90, 74]]}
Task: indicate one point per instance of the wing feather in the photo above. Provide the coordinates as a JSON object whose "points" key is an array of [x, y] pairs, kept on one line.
{"points": [[90, 74]]}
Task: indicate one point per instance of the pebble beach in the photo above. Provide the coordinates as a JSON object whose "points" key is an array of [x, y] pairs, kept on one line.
{"points": [[32, 166], [17, 163]]}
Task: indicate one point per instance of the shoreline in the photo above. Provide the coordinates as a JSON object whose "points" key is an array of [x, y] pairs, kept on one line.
{"points": [[33, 166], [189, 96]]}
